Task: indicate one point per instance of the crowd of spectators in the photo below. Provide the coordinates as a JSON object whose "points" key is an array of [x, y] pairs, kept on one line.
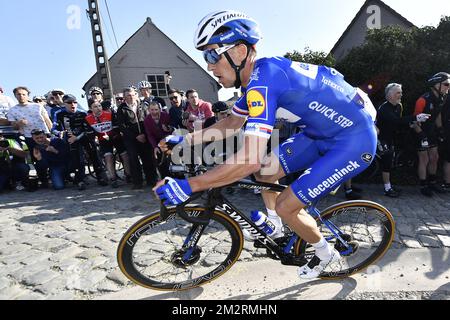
{"points": [[61, 142]]}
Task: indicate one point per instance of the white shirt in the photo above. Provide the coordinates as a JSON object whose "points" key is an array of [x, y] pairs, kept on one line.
{"points": [[33, 113], [6, 103]]}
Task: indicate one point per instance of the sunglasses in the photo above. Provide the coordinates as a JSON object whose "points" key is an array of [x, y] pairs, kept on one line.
{"points": [[212, 56], [96, 94], [173, 98], [447, 84], [37, 132], [57, 93], [37, 100]]}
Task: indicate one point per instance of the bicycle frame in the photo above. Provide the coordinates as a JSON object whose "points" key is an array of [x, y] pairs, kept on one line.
{"points": [[216, 201]]}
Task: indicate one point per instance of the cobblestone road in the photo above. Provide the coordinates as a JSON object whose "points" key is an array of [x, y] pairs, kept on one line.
{"points": [[62, 245]]}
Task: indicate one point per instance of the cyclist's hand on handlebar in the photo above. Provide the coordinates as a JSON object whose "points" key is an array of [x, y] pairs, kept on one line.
{"points": [[173, 191]]}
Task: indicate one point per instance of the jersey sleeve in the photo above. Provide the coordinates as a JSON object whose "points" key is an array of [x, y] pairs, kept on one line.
{"points": [[261, 99]]}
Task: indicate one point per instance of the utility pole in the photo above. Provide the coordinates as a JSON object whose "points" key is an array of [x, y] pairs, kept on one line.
{"points": [[101, 58]]}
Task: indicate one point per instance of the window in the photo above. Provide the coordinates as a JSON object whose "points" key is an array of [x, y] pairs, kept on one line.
{"points": [[158, 84]]}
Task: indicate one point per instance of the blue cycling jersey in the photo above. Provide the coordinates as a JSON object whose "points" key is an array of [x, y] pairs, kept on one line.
{"points": [[338, 137], [316, 98]]}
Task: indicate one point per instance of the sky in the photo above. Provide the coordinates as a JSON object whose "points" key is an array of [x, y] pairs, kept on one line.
{"points": [[47, 44]]}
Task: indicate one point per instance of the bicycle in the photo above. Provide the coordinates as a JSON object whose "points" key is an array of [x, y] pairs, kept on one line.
{"points": [[183, 247]]}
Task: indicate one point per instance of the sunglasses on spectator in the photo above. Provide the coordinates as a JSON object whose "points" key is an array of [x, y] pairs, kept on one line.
{"points": [[119, 99], [37, 100], [96, 93], [212, 56], [57, 93], [446, 84], [173, 98]]}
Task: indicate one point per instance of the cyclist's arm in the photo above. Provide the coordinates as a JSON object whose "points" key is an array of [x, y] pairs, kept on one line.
{"points": [[219, 131], [246, 161]]}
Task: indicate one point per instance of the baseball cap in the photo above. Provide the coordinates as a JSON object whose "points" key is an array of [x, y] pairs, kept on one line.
{"points": [[69, 98]]}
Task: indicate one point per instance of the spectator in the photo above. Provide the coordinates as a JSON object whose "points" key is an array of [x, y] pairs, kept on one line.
{"points": [[52, 107], [102, 124], [6, 103], [71, 125], [58, 95], [145, 89], [96, 94], [199, 108], [389, 120], [130, 118], [119, 99], [176, 112], [444, 129], [351, 191], [13, 167], [427, 133], [40, 101], [52, 154], [26, 117], [157, 127]]}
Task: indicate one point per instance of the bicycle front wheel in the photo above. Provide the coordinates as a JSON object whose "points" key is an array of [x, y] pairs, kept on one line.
{"points": [[151, 251], [367, 229]]}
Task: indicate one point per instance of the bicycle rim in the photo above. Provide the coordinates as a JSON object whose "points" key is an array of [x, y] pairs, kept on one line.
{"points": [[371, 228], [149, 251]]}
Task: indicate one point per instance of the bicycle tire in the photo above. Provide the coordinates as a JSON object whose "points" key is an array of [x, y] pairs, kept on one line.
{"points": [[338, 210], [132, 261]]}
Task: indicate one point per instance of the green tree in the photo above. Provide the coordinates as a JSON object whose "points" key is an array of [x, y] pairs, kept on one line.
{"points": [[313, 57], [391, 54]]}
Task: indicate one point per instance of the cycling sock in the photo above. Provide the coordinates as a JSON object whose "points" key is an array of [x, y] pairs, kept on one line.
{"points": [[387, 187], [275, 219], [323, 249], [273, 216]]}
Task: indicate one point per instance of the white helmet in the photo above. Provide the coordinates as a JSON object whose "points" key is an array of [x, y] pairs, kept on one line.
{"points": [[144, 84], [226, 27]]}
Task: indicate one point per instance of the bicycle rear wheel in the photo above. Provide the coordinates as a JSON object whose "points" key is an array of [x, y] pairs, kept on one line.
{"points": [[150, 252], [367, 227]]}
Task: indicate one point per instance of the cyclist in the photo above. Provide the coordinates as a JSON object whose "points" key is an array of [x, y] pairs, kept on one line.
{"points": [[338, 140], [428, 133], [102, 124]]}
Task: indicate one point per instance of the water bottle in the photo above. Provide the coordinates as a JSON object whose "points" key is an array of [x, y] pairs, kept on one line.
{"points": [[263, 222]]}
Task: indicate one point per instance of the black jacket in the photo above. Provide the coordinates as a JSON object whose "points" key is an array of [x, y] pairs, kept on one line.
{"points": [[130, 124], [390, 120]]}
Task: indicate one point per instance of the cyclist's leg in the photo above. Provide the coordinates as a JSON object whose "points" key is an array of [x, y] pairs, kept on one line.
{"points": [[338, 161], [295, 154]]}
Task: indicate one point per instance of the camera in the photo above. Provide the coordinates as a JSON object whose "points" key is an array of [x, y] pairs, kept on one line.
{"points": [[4, 144], [168, 73]]}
